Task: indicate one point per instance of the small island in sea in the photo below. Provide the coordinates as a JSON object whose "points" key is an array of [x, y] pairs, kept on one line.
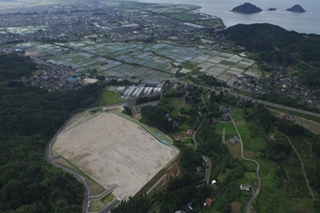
{"points": [[272, 9], [247, 8], [297, 9]]}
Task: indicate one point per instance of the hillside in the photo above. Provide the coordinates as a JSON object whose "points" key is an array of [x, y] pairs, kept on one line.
{"points": [[247, 8], [29, 117], [278, 46], [297, 9]]}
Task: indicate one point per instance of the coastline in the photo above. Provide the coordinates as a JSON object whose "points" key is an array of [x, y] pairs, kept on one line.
{"points": [[301, 23]]}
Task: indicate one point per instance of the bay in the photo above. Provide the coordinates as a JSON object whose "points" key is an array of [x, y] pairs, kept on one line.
{"points": [[308, 22]]}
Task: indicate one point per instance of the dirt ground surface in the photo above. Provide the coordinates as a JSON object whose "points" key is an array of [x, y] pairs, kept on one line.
{"points": [[240, 123], [235, 207], [114, 152]]}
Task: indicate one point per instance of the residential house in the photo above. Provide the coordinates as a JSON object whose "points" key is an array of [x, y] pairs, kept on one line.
{"points": [[245, 187]]}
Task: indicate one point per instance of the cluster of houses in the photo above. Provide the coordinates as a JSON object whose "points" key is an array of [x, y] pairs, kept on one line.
{"points": [[280, 82], [91, 20]]}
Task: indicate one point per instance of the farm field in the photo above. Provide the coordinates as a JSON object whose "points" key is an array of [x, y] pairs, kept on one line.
{"points": [[114, 152], [142, 60]]}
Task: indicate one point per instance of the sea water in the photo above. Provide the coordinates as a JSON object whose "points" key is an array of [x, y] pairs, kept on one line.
{"points": [[308, 22]]}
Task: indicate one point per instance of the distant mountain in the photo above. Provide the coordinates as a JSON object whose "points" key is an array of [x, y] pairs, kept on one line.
{"points": [[247, 8], [272, 9], [297, 9]]}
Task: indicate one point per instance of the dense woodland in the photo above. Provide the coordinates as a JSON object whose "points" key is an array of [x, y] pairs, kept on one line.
{"points": [[13, 66], [29, 117], [281, 47]]}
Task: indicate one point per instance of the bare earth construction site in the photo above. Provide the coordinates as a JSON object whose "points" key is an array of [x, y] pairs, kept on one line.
{"points": [[115, 152]]}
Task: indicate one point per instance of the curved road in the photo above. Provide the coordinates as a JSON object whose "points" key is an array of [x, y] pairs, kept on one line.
{"points": [[255, 192], [51, 159], [205, 157], [195, 133]]}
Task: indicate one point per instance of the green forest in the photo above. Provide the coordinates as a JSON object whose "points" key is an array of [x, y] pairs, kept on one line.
{"points": [[13, 66], [29, 117], [278, 46]]}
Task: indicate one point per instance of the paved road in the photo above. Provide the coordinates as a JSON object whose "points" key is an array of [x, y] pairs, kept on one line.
{"points": [[195, 134], [110, 206], [51, 159], [256, 191], [209, 168], [261, 101]]}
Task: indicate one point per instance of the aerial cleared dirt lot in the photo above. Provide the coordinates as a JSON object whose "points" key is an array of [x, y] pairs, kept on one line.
{"points": [[114, 152]]}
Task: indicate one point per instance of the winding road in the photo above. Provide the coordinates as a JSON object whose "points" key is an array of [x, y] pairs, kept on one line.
{"points": [[79, 177], [256, 191]]}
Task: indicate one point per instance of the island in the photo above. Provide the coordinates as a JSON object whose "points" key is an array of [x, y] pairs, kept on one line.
{"points": [[247, 8], [272, 9], [297, 9]]}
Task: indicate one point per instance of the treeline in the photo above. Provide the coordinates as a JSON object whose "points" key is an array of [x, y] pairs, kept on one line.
{"points": [[13, 66], [208, 80], [136, 205], [29, 117], [277, 150], [281, 47], [157, 116], [290, 128], [261, 117]]}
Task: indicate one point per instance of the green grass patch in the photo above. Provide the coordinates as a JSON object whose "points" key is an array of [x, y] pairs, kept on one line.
{"points": [[207, 209], [143, 120], [108, 198], [252, 144], [245, 180], [174, 113], [184, 127], [74, 167], [108, 97], [96, 205], [178, 104], [250, 175], [271, 199], [229, 63], [36, 72], [250, 166], [228, 126], [266, 168], [190, 65]]}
